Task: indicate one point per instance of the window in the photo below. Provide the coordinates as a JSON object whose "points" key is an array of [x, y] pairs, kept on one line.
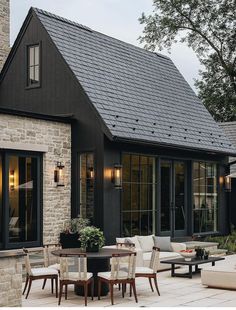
{"points": [[33, 56], [138, 196], [87, 186], [205, 197], [19, 200]]}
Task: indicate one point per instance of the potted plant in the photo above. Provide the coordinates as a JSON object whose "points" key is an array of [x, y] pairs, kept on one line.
{"points": [[91, 238], [69, 237]]}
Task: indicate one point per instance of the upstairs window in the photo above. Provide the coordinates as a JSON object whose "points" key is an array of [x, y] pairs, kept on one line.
{"points": [[33, 55]]}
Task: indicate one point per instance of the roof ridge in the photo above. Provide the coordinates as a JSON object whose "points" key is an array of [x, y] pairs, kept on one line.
{"points": [[65, 20]]}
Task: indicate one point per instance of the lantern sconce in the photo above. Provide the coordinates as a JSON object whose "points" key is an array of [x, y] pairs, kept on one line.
{"points": [[12, 180], [228, 183], [59, 174], [117, 176]]}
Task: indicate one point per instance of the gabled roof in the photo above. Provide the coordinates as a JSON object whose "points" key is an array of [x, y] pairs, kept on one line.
{"points": [[141, 96]]}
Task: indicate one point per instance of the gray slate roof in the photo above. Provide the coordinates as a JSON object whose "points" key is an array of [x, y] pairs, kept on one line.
{"points": [[140, 95]]}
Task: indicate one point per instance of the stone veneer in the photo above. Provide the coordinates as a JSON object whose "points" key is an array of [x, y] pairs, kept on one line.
{"points": [[4, 30], [10, 281], [56, 138]]}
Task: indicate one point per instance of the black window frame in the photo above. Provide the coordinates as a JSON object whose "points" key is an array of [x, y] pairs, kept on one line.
{"points": [[6, 244], [30, 85]]}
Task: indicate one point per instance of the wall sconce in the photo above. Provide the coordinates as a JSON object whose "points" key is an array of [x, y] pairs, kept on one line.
{"points": [[117, 176], [228, 183], [90, 173], [12, 180], [221, 180], [59, 174]]}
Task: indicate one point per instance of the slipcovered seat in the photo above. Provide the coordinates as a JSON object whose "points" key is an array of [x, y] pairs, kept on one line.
{"points": [[219, 276]]}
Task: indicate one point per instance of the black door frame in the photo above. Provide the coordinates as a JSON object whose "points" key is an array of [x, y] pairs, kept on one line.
{"points": [[172, 232], [5, 199]]}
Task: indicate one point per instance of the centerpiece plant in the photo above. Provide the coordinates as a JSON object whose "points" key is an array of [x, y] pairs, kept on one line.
{"points": [[69, 236], [91, 238]]}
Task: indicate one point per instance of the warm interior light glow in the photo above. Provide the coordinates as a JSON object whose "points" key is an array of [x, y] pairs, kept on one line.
{"points": [[12, 179], [228, 183], [221, 180], [117, 176], [91, 173], [59, 174]]}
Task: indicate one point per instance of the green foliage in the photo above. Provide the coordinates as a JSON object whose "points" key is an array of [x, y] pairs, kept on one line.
{"points": [[209, 28], [91, 236], [75, 225], [225, 242]]}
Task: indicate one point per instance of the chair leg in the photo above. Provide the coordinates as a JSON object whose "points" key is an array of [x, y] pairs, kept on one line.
{"points": [[26, 283], [85, 293], [134, 290], [99, 288], [52, 286], [119, 286], [66, 291], [92, 288], [156, 285], [123, 290], [130, 290], [150, 282], [56, 280], [60, 292], [44, 283], [111, 293], [29, 287]]}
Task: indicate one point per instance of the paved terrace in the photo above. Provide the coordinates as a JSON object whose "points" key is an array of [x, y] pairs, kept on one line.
{"points": [[174, 292]]}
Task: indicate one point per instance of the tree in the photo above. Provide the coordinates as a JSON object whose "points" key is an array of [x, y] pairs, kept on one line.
{"points": [[209, 28]]}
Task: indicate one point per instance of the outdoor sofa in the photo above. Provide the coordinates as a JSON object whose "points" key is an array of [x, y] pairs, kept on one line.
{"points": [[223, 277], [144, 245]]}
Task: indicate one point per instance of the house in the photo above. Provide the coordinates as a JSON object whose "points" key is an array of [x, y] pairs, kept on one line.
{"points": [[146, 156]]}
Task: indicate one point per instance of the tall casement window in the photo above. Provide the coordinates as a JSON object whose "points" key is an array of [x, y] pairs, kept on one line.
{"points": [[20, 214], [138, 195], [87, 186], [205, 197], [33, 63]]}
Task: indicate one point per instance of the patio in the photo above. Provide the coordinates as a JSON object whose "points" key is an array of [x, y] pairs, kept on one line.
{"points": [[174, 292]]}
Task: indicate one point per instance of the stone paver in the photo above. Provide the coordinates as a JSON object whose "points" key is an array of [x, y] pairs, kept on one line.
{"points": [[174, 292]]}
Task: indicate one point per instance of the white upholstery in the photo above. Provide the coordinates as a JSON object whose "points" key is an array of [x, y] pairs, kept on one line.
{"points": [[43, 271], [146, 243], [132, 239], [144, 270], [219, 276], [54, 266], [163, 255]]}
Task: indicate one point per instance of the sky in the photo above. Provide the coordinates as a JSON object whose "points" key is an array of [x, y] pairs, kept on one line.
{"points": [[116, 18]]}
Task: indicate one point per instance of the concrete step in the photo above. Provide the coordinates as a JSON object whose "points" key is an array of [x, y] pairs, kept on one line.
{"points": [[209, 246]]}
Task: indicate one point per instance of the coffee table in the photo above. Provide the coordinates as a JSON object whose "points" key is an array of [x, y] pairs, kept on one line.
{"points": [[194, 262]]}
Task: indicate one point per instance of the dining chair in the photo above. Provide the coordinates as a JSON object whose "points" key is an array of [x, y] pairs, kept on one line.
{"points": [[151, 271], [37, 274], [73, 270], [50, 260], [119, 274]]}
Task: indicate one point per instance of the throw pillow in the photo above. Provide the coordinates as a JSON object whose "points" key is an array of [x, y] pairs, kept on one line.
{"points": [[133, 240], [163, 243], [146, 243]]}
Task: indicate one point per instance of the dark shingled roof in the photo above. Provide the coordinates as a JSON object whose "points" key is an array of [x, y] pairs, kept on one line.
{"points": [[140, 95]]}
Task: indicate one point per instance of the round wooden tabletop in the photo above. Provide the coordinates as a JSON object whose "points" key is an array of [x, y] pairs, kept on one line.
{"points": [[103, 253]]}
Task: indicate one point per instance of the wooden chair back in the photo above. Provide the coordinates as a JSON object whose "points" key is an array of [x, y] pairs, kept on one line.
{"points": [[155, 259], [117, 269], [125, 245], [27, 262], [50, 259], [76, 265]]}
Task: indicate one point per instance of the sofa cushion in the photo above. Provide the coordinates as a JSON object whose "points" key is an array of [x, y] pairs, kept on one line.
{"points": [[129, 240], [146, 243], [163, 255], [163, 243]]}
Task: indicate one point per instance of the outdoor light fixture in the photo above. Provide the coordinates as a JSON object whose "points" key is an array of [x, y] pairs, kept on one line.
{"points": [[117, 176], [221, 180], [91, 173], [228, 183], [12, 180], [59, 174]]}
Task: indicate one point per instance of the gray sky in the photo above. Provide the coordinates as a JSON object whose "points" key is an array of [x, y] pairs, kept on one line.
{"points": [[117, 18]]}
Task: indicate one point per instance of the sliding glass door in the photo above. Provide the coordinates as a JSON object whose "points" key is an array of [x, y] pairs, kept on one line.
{"points": [[20, 216]]}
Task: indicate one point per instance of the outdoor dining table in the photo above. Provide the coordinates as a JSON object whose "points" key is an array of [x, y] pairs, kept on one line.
{"points": [[96, 262]]}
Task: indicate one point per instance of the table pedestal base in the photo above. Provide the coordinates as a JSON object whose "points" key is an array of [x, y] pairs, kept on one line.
{"points": [[95, 266]]}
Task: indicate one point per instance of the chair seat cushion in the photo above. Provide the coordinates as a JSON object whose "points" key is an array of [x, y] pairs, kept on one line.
{"points": [[55, 266], [73, 276], [45, 271], [107, 275], [143, 270]]}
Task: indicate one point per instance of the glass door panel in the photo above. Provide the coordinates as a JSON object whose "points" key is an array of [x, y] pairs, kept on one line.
{"points": [[180, 218], [166, 195], [23, 200]]}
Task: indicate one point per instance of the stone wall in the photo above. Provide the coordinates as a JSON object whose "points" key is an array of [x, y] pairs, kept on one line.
{"points": [[10, 281], [54, 139], [4, 30]]}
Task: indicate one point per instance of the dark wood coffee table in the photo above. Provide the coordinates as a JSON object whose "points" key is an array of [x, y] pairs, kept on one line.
{"points": [[194, 262]]}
